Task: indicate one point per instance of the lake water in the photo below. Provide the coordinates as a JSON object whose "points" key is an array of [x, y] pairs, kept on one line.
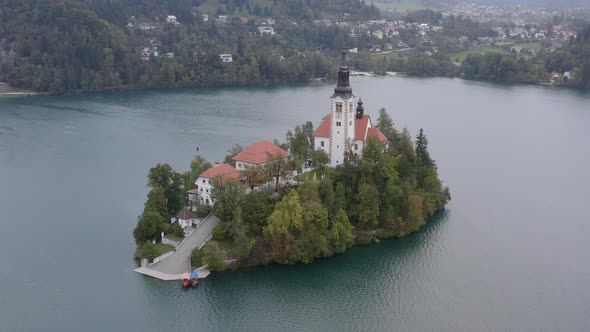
{"points": [[511, 252]]}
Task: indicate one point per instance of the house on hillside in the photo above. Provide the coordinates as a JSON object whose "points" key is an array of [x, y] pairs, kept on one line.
{"points": [[259, 154], [204, 182], [226, 58], [171, 19], [266, 30]]}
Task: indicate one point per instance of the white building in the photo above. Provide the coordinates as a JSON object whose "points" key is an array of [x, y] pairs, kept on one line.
{"points": [[205, 181], [226, 58], [258, 154], [222, 19], [345, 129], [266, 30], [378, 34], [185, 218], [171, 19]]}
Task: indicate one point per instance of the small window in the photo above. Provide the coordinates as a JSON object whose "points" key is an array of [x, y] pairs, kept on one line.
{"points": [[322, 144], [350, 123], [338, 111], [356, 146], [203, 180]]}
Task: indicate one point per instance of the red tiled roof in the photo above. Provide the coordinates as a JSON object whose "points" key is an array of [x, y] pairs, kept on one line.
{"points": [[225, 170], [260, 153], [375, 132], [324, 128], [360, 128]]}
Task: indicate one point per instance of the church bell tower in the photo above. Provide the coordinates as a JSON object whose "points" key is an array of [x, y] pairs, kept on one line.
{"points": [[342, 130]]}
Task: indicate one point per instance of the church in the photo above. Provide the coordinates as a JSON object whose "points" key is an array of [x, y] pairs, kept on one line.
{"points": [[346, 127]]}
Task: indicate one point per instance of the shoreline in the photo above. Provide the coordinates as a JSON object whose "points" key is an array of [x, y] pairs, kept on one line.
{"points": [[313, 81], [22, 93]]}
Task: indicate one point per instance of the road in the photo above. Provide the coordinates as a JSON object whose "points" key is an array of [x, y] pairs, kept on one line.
{"points": [[177, 263]]}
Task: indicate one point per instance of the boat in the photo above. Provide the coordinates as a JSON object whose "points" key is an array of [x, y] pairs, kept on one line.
{"points": [[185, 280], [194, 279]]}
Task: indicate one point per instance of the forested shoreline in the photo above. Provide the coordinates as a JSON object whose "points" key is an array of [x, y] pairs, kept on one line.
{"points": [[86, 46]]}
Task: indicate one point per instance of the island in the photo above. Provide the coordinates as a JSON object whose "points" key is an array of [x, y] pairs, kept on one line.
{"points": [[347, 182]]}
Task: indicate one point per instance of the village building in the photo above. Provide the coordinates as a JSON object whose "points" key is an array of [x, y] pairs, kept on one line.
{"points": [[266, 30], [259, 154], [346, 129], [171, 19], [226, 58], [378, 34], [222, 19], [204, 182], [185, 218]]}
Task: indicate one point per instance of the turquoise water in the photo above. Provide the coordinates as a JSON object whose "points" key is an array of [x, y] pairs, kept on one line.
{"points": [[510, 252]]}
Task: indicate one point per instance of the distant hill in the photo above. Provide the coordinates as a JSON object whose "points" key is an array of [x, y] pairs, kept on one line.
{"points": [[118, 11], [87, 45], [532, 3]]}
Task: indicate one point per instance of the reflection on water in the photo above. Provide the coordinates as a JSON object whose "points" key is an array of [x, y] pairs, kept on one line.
{"points": [[505, 255]]}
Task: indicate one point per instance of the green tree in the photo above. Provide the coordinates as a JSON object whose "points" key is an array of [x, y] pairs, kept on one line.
{"points": [[340, 235], [285, 221], [214, 257], [320, 159], [156, 202], [172, 183], [255, 176], [148, 227], [422, 148], [226, 194], [147, 250], [198, 166], [368, 206], [279, 169], [386, 126]]}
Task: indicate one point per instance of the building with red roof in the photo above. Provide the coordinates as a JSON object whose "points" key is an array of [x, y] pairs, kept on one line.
{"points": [[258, 154], [345, 129], [204, 183]]}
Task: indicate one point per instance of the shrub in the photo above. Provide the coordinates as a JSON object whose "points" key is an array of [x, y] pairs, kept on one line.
{"points": [[219, 233], [203, 211], [147, 250], [214, 257], [197, 258]]}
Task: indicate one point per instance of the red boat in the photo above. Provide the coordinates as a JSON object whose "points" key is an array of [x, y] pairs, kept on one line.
{"points": [[185, 280]]}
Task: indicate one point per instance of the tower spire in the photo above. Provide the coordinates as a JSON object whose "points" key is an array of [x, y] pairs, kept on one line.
{"points": [[360, 109], [343, 88]]}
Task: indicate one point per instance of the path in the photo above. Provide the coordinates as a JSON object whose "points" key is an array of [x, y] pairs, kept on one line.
{"points": [[173, 266]]}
